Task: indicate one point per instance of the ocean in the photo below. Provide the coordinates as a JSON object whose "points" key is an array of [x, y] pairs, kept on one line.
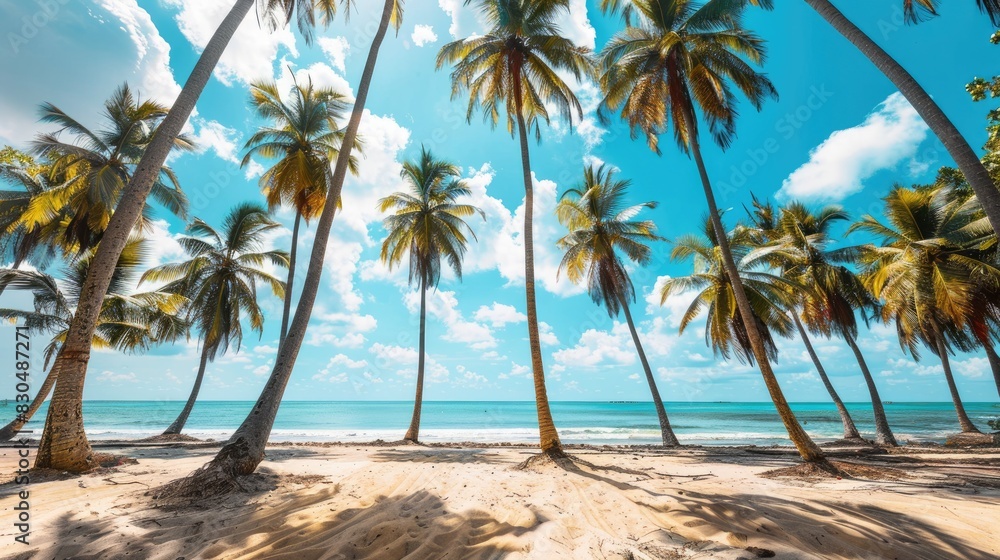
{"points": [[613, 423]]}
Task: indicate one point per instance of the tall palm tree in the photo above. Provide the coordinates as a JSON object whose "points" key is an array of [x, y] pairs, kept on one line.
{"points": [[220, 282], [792, 241], [427, 226], [129, 322], [675, 56], [959, 149], [513, 69], [770, 295], [600, 225], [245, 448], [925, 273], [304, 135], [64, 441]]}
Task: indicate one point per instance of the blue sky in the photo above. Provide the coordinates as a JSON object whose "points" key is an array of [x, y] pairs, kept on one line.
{"points": [[837, 135]]}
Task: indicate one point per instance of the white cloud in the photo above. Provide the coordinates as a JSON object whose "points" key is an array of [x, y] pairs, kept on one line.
{"points": [[343, 330], [404, 361], [464, 21], [423, 35], [600, 348], [546, 335], [336, 49], [251, 53], [838, 167], [152, 69], [114, 377], [443, 305], [214, 136], [499, 315], [973, 368]]}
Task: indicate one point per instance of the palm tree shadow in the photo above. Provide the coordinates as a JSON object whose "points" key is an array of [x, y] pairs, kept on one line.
{"points": [[431, 455]]}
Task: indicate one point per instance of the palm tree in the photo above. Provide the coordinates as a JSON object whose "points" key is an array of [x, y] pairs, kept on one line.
{"points": [[925, 272], [427, 226], [64, 441], [599, 226], [679, 55], [305, 137], [220, 281], [245, 448], [512, 69], [792, 241], [29, 179], [770, 295], [129, 322], [963, 154]]}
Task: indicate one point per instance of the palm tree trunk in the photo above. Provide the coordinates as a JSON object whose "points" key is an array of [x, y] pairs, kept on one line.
{"points": [[883, 433], [245, 449], [850, 430], [991, 355], [178, 424], [963, 418], [11, 430], [64, 444], [414, 431], [291, 278], [806, 447], [666, 432], [548, 436], [963, 154]]}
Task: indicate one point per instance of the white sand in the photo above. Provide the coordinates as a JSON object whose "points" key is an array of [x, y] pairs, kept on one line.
{"points": [[332, 502]]}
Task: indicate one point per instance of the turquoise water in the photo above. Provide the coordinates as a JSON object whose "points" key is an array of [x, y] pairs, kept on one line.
{"points": [[578, 422]]}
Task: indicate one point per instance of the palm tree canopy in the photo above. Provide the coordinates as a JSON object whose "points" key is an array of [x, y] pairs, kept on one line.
{"points": [[516, 63], [89, 173], [279, 13], [221, 277], [305, 137], [427, 223], [770, 295], [675, 55], [600, 224], [935, 259], [128, 322]]}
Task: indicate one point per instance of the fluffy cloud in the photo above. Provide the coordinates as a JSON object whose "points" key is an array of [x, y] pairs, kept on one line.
{"points": [[336, 49], [343, 330], [598, 347], [838, 167], [423, 35], [404, 361], [443, 305], [499, 315], [153, 76]]}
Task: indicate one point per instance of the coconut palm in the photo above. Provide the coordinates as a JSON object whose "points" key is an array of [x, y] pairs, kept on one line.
{"points": [[600, 225], [513, 69], [28, 180], [676, 56], [792, 240], [925, 272], [304, 136], [245, 448], [770, 295], [427, 226], [64, 440], [129, 322], [220, 281]]}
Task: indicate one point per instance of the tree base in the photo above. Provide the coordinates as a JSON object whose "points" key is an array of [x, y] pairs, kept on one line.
{"points": [[221, 476], [966, 439]]}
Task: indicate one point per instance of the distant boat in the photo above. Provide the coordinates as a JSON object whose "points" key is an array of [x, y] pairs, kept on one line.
{"points": [[887, 402]]}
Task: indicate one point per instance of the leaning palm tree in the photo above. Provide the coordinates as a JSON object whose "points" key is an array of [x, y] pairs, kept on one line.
{"points": [[600, 225], [245, 448], [925, 273], [770, 295], [88, 173], [220, 282], [513, 69], [676, 56], [64, 440], [129, 322], [304, 136], [427, 226]]}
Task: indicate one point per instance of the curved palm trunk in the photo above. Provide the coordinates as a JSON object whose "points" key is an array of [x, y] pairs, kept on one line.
{"points": [[291, 279], [883, 433], [806, 447], [963, 418], [64, 444], [991, 355], [666, 432], [11, 430], [178, 424], [963, 154], [414, 431], [850, 430], [548, 436], [245, 449]]}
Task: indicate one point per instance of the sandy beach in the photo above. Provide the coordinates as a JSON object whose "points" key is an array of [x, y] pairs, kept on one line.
{"points": [[386, 501]]}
